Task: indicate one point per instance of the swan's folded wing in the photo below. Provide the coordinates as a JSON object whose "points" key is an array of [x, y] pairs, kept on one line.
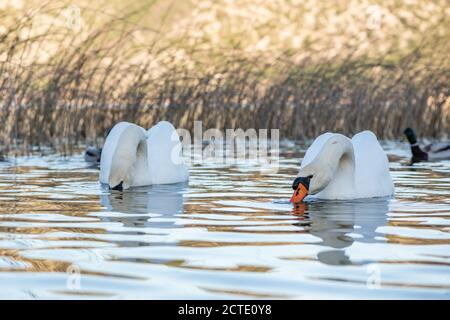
{"points": [[372, 166], [164, 155]]}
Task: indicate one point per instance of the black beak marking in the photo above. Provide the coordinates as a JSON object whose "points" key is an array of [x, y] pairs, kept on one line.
{"points": [[303, 180], [119, 187]]}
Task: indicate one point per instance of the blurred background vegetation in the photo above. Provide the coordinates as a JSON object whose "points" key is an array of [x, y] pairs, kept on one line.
{"points": [[69, 70]]}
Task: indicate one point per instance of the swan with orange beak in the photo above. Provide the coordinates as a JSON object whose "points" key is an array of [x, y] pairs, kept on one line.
{"points": [[338, 168], [301, 189]]}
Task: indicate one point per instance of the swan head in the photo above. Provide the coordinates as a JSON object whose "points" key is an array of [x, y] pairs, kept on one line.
{"points": [[120, 175], [301, 188], [332, 165], [310, 184], [127, 163], [314, 177]]}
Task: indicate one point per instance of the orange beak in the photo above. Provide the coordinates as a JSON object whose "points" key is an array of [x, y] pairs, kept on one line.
{"points": [[299, 194]]}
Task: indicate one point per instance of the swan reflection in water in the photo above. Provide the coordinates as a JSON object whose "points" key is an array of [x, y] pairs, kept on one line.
{"points": [[334, 221], [164, 200]]}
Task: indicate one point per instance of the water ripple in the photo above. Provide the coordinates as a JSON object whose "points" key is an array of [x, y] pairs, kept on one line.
{"points": [[228, 233]]}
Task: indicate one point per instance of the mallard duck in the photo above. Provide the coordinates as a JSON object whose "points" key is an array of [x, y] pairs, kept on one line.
{"points": [[434, 151], [92, 155]]}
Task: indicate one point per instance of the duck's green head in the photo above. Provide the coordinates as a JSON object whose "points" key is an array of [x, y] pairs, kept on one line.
{"points": [[410, 135]]}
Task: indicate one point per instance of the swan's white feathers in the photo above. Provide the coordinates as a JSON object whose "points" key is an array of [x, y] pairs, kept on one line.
{"points": [[164, 152], [372, 166]]}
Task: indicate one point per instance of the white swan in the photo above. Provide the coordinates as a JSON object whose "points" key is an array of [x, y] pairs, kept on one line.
{"points": [[336, 167], [133, 157]]}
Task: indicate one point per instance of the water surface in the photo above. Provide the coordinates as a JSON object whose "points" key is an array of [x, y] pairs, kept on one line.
{"points": [[227, 233]]}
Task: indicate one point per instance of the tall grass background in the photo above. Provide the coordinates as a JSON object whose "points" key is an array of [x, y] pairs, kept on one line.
{"points": [[69, 70]]}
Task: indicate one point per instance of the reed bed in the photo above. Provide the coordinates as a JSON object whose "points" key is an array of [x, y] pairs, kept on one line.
{"points": [[61, 87]]}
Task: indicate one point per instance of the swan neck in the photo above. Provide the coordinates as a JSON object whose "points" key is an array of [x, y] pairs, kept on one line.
{"points": [[333, 169], [338, 153], [129, 161], [343, 167]]}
